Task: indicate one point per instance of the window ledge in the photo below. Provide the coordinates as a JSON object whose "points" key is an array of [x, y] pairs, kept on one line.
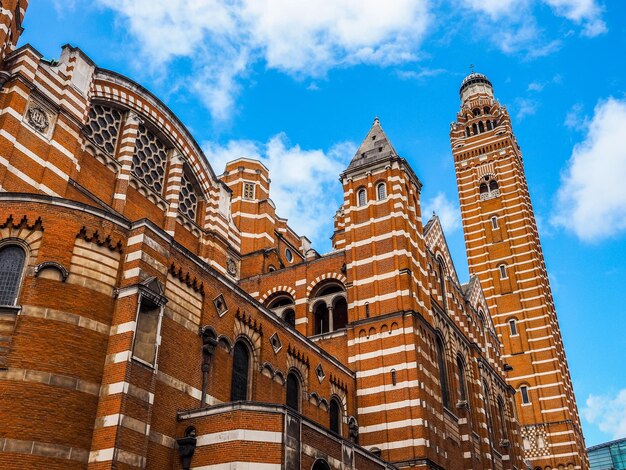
{"points": [[14, 309]]}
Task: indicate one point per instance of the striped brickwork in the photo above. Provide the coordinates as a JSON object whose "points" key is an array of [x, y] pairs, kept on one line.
{"points": [[504, 252], [123, 245]]}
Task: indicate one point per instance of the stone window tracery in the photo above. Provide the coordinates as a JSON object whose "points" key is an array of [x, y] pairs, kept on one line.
{"points": [[149, 159], [103, 125], [248, 190], [381, 191], [187, 199], [488, 188], [12, 259]]}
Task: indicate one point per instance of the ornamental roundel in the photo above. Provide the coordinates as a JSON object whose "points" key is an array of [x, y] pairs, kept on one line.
{"points": [[38, 118], [231, 267]]}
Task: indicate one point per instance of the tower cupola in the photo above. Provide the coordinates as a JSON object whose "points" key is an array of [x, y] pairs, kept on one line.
{"points": [[474, 84]]}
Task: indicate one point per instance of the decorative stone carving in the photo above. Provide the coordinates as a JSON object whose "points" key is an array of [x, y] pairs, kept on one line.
{"points": [[231, 267], [38, 118]]}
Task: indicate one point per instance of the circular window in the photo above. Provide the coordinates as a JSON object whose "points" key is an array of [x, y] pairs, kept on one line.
{"points": [[289, 255]]}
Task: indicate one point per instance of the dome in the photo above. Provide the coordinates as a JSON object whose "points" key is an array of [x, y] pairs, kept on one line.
{"points": [[473, 78]]}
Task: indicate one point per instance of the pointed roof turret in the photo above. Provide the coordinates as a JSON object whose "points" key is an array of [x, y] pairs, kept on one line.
{"points": [[375, 147]]}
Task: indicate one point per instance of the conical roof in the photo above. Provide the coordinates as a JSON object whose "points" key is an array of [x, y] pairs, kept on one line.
{"points": [[375, 147]]}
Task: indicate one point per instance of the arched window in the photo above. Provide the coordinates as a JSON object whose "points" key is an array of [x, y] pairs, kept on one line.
{"points": [[12, 259], [442, 279], [329, 307], [503, 274], [524, 393], [282, 305], [493, 186], [381, 191], [476, 111], [467, 131], [481, 127], [335, 416], [486, 110], [460, 370], [241, 367], [320, 465], [443, 377], [340, 314], [494, 222], [513, 327], [489, 127], [320, 317], [475, 128], [484, 190], [293, 391], [361, 197]]}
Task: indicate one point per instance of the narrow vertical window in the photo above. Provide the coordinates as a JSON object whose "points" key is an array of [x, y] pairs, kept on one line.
{"points": [[394, 377], [513, 327], [361, 197], [460, 368], [442, 279], [381, 191], [503, 274], [241, 367], [481, 127], [443, 377], [248, 190], [525, 397], [293, 391], [12, 259], [494, 222], [146, 335], [335, 416]]}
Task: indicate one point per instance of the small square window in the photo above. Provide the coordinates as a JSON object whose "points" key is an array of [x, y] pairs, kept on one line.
{"points": [[220, 305], [248, 190]]}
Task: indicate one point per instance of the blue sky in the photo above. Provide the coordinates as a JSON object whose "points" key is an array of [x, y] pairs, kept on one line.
{"points": [[298, 84]]}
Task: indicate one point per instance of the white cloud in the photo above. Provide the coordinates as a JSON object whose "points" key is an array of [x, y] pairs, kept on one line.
{"points": [[609, 413], [592, 196], [525, 107], [448, 212], [304, 183], [222, 39], [515, 28], [585, 12], [575, 119], [422, 74]]}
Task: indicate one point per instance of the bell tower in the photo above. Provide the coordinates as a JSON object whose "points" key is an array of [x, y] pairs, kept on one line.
{"points": [[504, 251]]}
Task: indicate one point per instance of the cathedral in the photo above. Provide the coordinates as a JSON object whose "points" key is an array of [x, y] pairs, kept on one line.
{"points": [[155, 314]]}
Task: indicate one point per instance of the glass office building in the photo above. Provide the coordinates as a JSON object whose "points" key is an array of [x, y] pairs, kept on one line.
{"points": [[608, 456]]}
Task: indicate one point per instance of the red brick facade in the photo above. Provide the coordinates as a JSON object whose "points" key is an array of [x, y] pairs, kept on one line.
{"points": [[158, 316], [504, 252]]}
